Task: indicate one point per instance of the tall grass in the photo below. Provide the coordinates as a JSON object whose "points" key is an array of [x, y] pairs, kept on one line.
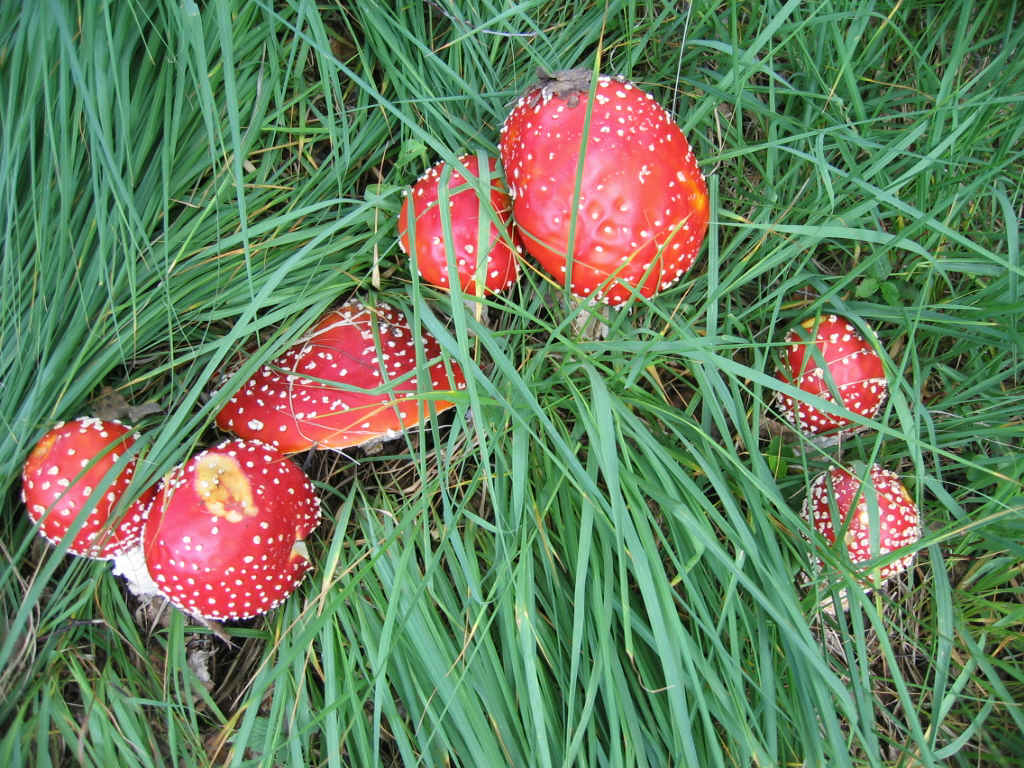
{"points": [[597, 559]]}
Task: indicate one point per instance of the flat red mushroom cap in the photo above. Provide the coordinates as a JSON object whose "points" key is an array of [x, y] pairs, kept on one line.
{"points": [[464, 213], [899, 523], [854, 370], [352, 380], [64, 471], [638, 217], [224, 535]]}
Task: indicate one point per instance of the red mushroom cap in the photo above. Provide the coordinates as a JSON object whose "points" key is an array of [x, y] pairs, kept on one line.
{"points": [[224, 538], [64, 470], [899, 523], [854, 370], [642, 209], [464, 211], [353, 379]]}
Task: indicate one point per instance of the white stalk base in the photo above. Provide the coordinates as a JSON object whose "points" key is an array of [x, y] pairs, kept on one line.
{"points": [[590, 321], [131, 566]]}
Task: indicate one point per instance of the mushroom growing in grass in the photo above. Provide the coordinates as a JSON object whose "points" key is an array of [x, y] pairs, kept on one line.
{"points": [[480, 239], [353, 380], [826, 356], [64, 477], [873, 519], [225, 536], [634, 213]]}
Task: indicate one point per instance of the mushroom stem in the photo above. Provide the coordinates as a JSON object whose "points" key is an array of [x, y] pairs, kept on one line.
{"points": [[131, 565], [589, 322], [480, 313]]}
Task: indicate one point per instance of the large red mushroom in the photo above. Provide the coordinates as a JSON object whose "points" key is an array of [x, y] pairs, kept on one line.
{"points": [[607, 195], [225, 536], [62, 478], [352, 380]]}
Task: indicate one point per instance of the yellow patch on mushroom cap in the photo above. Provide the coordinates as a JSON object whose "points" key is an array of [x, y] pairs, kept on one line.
{"points": [[223, 487]]}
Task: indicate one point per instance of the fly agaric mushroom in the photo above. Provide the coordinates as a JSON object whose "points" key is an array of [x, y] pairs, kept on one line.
{"points": [[225, 536], [60, 480], [832, 496], [641, 203], [826, 354], [354, 379], [430, 247]]}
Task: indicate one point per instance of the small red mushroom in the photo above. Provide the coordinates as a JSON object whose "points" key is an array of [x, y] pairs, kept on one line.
{"points": [[852, 368], [225, 536], [60, 479], [898, 522], [635, 214], [352, 380], [431, 248]]}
